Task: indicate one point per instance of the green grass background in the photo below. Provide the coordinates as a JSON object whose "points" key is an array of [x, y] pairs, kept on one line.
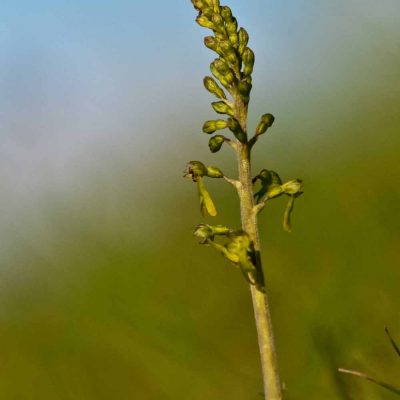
{"points": [[105, 294]]}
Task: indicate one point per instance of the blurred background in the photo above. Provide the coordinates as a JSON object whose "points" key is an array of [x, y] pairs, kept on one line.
{"points": [[104, 292]]}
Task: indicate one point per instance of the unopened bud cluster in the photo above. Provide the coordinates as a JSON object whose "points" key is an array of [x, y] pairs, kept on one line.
{"points": [[231, 70]]}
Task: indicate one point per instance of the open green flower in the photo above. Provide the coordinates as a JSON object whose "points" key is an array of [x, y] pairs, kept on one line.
{"points": [[270, 185], [196, 170], [238, 250]]}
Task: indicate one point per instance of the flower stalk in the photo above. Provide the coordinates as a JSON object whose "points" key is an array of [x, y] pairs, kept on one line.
{"points": [[231, 83]]}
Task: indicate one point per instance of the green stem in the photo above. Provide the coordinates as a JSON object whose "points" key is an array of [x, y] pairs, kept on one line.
{"points": [[271, 379]]}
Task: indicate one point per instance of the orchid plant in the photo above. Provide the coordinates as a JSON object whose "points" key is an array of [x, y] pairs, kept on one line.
{"points": [[231, 84]]}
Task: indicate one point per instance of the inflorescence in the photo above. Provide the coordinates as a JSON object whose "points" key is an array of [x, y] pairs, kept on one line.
{"points": [[231, 84]]}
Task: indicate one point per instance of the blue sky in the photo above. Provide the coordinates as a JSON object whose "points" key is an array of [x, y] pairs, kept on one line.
{"points": [[80, 79]]}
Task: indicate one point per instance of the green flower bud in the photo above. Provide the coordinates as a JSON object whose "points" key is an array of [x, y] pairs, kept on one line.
{"points": [[230, 77], [266, 122], [212, 126], [225, 45], [231, 26], [219, 76], [243, 40], [214, 172], [229, 54], [221, 124], [216, 5], [222, 108], [293, 188], [215, 143], [222, 72], [208, 13], [232, 59], [195, 170], [199, 4], [218, 23], [210, 42], [248, 61], [234, 39], [204, 22], [213, 87], [219, 35], [226, 13], [213, 44], [221, 66], [237, 130]]}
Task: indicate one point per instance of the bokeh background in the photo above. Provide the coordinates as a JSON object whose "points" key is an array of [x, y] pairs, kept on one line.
{"points": [[104, 293]]}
